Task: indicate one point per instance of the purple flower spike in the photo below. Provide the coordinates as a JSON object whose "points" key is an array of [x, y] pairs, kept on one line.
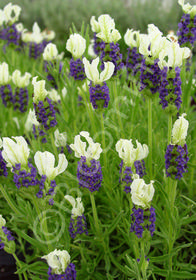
{"points": [[38, 131], [70, 273], [142, 220], [133, 61], [23, 178], [77, 225], [46, 113], [170, 90], [176, 159], [111, 52], [11, 35], [77, 69], [98, 46], [20, 99], [89, 177], [35, 50], [3, 168], [150, 77], [6, 95], [187, 31], [99, 95], [125, 177]]}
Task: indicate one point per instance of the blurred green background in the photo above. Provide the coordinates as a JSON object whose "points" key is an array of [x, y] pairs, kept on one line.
{"points": [[58, 15]]}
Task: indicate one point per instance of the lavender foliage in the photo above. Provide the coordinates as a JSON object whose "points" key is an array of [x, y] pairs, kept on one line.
{"points": [[99, 95], [89, 177], [176, 159]]}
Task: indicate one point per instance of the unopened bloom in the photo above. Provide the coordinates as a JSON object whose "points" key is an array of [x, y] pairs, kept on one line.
{"points": [[50, 52], [128, 153], [76, 45], [179, 131], [19, 80], [142, 193], [40, 92], [45, 164], [58, 261], [79, 147], [15, 152], [4, 74]]}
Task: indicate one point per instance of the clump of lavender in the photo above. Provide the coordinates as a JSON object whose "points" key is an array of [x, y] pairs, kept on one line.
{"points": [[51, 60], [98, 89], [44, 108], [6, 239], [187, 27], [132, 161], [78, 223], [60, 266], [89, 171], [143, 217], [5, 87], [76, 45], [176, 156], [21, 96]]}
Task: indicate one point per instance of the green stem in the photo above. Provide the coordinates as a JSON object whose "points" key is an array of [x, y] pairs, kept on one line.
{"points": [[143, 260], [169, 128], [150, 134], [9, 201], [117, 107], [103, 139], [19, 264], [95, 216]]}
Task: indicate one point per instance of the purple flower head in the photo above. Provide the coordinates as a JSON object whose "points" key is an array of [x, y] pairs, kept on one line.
{"points": [[111, 52], [69, 274], [143, 219], [176, 159], [77, 225], [89, 177], [6, 95], [77, 69], [133, 61], [35, 50], [187, 31], [150, 77], [98, 46], [20, 99], [24, 178], [170, 90], [46, 113], [126, 172], [11, 35], [3, 167], [99, 95], [8, 234]]}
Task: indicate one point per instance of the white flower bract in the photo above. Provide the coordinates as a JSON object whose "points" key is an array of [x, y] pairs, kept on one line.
{"points": [[50, 52], [77, 205], [4, 74], [15, 152], [92, 73], [132, 38], [58, 260], [40, 92], [76, 45], [31, 120], [179, 131], [45, 164], [11, 13], [141, 193], [60, 138], [79, 147], [128, 153], [21, 81]]}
